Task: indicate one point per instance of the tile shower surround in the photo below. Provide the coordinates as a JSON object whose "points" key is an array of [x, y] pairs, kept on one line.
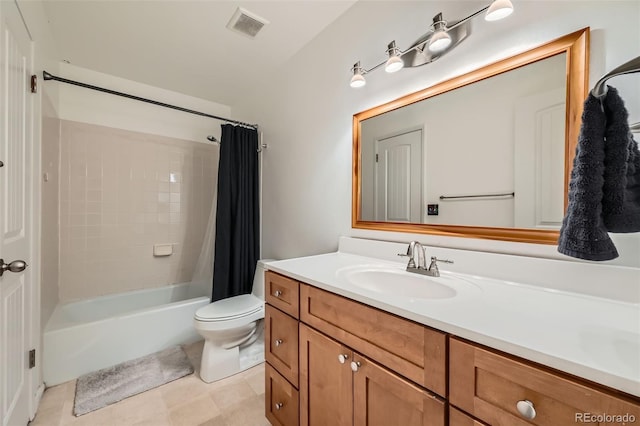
{"points": [[121, 192]]}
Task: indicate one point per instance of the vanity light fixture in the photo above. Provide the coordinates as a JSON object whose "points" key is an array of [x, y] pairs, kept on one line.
{"points": [[358, 78], [439, 40], [441, 37], [394, 63]]}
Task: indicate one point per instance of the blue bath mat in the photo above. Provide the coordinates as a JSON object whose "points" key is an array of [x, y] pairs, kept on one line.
{"points": [[110, 385]]}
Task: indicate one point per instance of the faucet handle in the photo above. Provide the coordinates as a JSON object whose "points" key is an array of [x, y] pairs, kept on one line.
{"points": [[412, 263], [435, 259]]}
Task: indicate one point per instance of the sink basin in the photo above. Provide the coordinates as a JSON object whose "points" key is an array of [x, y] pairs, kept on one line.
{"points": [[398, 282]]}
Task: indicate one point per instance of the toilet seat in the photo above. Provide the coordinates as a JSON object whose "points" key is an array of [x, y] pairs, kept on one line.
{"points": [[230, 309]]}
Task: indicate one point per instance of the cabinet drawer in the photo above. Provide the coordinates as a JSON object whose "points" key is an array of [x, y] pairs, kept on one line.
{"points": [[281, 343], [281, 399], [282, 292], [458, 418], [410, 349], [489, 386]]}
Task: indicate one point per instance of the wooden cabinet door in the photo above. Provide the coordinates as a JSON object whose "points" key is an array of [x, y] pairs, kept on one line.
{"points": [[325, 383], [281, 343], [381, 398], [281, 399]]}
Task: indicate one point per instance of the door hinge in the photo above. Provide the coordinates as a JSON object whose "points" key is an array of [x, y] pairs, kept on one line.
{"points": [[32, 358], [34, 84], [376, 158]]}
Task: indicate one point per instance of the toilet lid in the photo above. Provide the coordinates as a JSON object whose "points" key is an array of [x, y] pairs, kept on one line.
{"points": [[230, 308]]}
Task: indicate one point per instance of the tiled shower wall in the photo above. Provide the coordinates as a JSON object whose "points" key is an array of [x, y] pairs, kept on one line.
{"points": [[49, 290], [121, 192]]}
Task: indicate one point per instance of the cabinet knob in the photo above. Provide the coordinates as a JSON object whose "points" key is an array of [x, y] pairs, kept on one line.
{"points": [[526, 409], [278, 405], [278, 342], [355, 365], [342, 358], [277, 293]]}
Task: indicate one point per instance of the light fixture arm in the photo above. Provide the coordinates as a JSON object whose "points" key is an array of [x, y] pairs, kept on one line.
{"points": [[463, 20]]}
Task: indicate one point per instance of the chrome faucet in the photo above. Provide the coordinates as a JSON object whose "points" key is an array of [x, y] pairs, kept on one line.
{"points": [[411, 254], [416, 249]]}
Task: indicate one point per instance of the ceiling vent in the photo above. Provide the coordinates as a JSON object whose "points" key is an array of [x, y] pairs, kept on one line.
{"points": [[246, 23]]}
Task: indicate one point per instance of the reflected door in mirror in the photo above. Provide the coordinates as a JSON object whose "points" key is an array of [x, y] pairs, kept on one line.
{"points": [[539, 154], [398, 177]]}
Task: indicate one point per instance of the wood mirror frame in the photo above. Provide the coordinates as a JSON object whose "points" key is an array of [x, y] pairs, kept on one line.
{"points": [[576, 47]]}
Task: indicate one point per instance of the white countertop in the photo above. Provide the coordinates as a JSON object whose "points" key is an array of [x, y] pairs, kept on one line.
{"points": [[590, 337]]}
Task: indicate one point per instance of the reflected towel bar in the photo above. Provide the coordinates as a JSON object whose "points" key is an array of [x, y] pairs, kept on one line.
{"points": [[455, 197]]}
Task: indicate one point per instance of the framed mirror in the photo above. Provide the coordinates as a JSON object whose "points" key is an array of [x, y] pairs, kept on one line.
{"points": [[487, 154]]}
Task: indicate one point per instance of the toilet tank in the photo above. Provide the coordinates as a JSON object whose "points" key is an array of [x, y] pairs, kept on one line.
{"points": [[258, 279]]}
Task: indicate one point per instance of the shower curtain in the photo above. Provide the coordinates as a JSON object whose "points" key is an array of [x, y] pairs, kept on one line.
{"points": [[237, 213]]}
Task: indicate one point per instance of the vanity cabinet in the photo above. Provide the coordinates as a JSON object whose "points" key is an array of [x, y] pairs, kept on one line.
{"points": [[341, 387], [405, 347], [281, 350], [334, 361], [365, 367], [502, 390]]}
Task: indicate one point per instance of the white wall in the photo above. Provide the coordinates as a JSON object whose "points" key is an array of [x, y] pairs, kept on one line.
{"points": [[90, 106], [306, 113]]}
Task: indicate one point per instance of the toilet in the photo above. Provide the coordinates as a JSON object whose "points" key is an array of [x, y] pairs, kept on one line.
{"points": [[233, 331]]}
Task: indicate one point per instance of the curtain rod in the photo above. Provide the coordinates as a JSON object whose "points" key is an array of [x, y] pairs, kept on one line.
{"points": [[49, 76]]}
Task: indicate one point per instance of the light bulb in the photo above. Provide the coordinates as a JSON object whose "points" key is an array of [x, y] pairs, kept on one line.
{"points": [[357, 80], [394, 63], [499, 9], [439, 41]]}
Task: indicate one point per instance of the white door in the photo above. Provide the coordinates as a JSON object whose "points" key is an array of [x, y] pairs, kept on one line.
{"points": [[16, 145], [398, 193], [539, 159]]}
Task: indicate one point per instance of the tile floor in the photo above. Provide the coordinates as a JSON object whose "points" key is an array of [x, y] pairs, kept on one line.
{"points": [[235, 401]]}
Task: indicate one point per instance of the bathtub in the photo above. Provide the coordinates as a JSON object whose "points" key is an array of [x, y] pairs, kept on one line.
{"points": [[88, 335]]}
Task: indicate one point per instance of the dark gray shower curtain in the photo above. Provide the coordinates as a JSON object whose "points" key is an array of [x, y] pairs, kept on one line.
{"points": [[237, 216]]}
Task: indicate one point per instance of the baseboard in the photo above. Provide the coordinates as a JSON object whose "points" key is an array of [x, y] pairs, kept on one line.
{"points": [[36, 402]]}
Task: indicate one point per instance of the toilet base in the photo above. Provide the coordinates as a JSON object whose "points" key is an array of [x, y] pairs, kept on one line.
{"points": [[218, 362]]}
